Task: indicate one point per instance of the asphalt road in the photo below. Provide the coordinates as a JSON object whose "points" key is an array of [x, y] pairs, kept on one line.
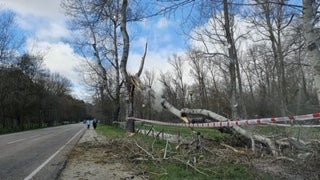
{"points": [[37, 154]]}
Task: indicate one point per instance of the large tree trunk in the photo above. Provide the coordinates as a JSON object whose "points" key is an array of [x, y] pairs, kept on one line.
{"points": [[131, 81], [312, 40], [123, 64], [119, 84], [232, 64]]}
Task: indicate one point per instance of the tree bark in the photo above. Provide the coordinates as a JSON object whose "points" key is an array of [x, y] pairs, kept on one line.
{"points": [[232, 64], [123, 64], [131, 81], [312, 40]]}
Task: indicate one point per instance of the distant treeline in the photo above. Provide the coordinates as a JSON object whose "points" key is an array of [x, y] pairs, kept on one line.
{"points": [[32, 97]]}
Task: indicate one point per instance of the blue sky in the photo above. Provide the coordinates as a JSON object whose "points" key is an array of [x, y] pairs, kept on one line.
{"points": [[46, 31]]}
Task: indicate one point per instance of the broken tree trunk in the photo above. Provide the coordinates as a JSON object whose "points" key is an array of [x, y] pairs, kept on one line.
{"points": [[238, 129], [182, 114], [129, 80], [311, 33]]}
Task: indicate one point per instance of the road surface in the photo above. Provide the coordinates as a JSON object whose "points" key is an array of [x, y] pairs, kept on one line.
{"points": [[37, 154]]}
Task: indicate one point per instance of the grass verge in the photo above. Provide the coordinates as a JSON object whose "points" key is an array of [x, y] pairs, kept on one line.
{"points": [[110, 131], [159, 160]]}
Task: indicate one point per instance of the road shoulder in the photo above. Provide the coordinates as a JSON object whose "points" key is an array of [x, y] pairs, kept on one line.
{"points": [[89, 160]]}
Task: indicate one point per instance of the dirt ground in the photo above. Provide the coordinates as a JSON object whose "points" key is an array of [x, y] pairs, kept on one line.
{"points": [[90, 160], [96, 157]]}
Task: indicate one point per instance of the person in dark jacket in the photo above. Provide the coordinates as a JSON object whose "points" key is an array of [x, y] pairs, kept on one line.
{"points": [[94, 123]]}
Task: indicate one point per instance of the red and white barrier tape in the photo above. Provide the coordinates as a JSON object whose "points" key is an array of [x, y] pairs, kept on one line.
{"points": [[236, 122]]}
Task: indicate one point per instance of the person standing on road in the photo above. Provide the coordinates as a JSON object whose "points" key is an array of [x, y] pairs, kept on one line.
{"points": [[88, 124], [94, 123]]}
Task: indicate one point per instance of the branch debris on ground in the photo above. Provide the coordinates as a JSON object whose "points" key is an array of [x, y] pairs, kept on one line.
{"points": [[99, 157]]}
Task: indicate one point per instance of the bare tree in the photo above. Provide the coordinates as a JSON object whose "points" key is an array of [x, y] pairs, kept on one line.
{"points": [[178, 79], [31, 65], [217, 86], [58, 85], [200, 71], [99, 22], [219, 38], [149, 80], [109, 42], [131, 81], [272, 21], [258, 69], [9, 41]]}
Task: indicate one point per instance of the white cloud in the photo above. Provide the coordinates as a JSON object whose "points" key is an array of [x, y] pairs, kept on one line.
{"points": [[60, 58], [55, 30], [40, 18], [80, 92], [154, 60], [48, 8]]}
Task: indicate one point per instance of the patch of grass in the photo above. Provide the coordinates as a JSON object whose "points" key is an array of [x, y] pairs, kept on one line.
{"points": [[110, 131], [171, 170], [167, 170], [213, 133], [232, 171], [172, 167]]}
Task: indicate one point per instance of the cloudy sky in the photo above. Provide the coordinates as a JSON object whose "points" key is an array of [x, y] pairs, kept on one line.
{"points": [[44, 24]]}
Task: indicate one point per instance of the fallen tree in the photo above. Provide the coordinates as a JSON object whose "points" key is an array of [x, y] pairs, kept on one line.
{"points": [[253, 137], [183, 115], [271, 144]]}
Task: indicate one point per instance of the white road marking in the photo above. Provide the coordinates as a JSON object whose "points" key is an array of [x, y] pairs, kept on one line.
{"points": [[49, 159], [34, 136], [23, 139], [16, 141]]}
